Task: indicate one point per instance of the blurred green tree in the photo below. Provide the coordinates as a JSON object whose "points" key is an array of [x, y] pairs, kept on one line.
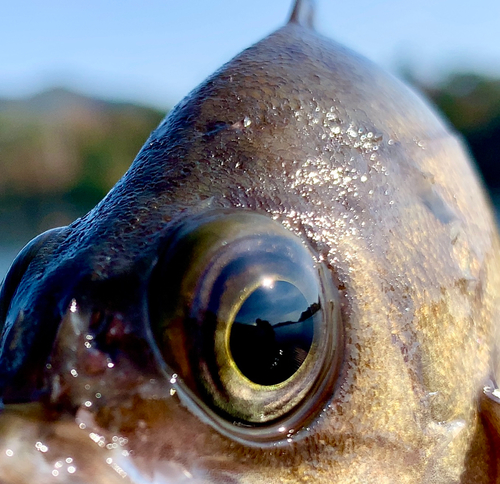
{"points": [[60, 153], [472, 104]]}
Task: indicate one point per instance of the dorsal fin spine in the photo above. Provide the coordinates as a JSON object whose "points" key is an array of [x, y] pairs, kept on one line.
{"points": [[303, 13]]}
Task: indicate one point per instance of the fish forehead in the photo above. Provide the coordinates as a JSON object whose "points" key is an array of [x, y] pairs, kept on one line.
{"points": [[348, 159], [291, 118]]}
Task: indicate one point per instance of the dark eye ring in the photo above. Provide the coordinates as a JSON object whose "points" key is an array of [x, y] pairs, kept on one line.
{"points": [[249, 320]]}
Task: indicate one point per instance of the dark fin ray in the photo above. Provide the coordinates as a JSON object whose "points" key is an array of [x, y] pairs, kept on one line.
{"points": [[303, 13]]}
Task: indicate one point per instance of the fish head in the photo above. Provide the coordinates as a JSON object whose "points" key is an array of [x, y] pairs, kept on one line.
{"points": [[297, 280]]}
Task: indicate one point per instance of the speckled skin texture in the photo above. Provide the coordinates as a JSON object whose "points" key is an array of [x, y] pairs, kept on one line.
{"points": [[358, 167]]}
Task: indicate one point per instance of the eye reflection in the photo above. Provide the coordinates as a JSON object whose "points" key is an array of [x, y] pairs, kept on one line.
{"points": [[272, 332]]}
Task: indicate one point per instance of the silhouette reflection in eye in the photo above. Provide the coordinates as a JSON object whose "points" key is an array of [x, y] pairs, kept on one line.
{"points": [[272, 332]]}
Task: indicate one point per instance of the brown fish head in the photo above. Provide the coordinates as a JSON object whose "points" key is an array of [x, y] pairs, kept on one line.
{"points": [[297, 279]]}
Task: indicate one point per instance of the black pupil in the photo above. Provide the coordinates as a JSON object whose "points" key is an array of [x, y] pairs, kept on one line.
{"points": [[272, 333]]}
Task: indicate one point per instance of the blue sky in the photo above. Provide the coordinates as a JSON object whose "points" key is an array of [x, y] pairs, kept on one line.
{"points": [[155, 51]]}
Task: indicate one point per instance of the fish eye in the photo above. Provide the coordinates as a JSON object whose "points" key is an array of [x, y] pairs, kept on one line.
{"points": [[249, 320]]}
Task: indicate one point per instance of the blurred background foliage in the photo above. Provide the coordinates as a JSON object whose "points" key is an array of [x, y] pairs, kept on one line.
{"points": [[60, 152], [472, 103]]}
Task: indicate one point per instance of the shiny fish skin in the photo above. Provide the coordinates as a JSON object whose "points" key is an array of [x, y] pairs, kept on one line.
{"points": [[360, 168]]}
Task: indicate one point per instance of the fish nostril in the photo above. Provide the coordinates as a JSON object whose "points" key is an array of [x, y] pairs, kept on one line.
{"points": [[214, 127]]}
